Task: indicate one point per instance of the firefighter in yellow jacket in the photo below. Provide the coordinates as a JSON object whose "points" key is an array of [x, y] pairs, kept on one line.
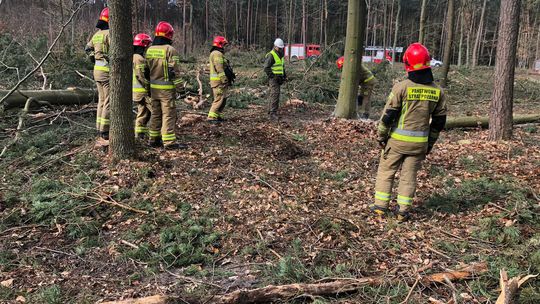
{"points": [[220, 78], [365, 90], [164, 64], [405, 131], [141, 85], [98, 50]]}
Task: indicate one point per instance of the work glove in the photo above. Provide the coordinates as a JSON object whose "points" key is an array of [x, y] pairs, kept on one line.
{"points": [[431, 143], [382, 140]]}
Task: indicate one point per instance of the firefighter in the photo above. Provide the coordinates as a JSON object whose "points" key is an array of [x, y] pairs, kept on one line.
{"points": [[367, 83], [98, 51], [164, 64], [405, 132], [141, 85], [221, 77], [274, 67]]}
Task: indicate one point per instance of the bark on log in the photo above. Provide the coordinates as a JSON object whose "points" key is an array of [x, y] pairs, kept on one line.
{"points": [[473, 121], [67, 97], [276, 293], [510, 287], [148, 300]]}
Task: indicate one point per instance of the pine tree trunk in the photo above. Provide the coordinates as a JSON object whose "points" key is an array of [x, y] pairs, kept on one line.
{"points": [[396, 31], [476, 49], [184, 30], [460, 49], [500, 115], [290, 34], [356, 20], [122, 136], [304, 28], [449, 41], [421, 34]]}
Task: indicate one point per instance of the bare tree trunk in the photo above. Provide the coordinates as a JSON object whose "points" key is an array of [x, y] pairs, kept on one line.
{"points": [[206, 30], [422, 32], [191, 26], [291, 22], [476, 49], [368, 22], [248, 22], [469, 34], [493, 43], [348, 90], [460, 49], [304, 28], [184, 30], [500, 115], [449, 41], [396, 30], [237, 26], [122, 136], [538, 43], [136, 15], [326, 24]]}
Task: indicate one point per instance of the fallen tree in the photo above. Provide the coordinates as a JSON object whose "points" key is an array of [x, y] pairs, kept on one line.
{"points": [[69, 97], [483, 121], [273, 293]]}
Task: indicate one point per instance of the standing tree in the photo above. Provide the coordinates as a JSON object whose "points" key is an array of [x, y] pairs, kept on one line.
{"points": [[348, 90], [122, 137], [450, 17], [500, 115], [422, 32]]}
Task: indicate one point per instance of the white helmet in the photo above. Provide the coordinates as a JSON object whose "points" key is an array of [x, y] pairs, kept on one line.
{"points": [[279, 43]]}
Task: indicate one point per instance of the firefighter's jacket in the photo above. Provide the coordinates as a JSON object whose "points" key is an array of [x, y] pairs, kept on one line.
{"points": [[163, 62], [217, 69], [98, 48], [365, 75], [416, 104], [141, 84]]}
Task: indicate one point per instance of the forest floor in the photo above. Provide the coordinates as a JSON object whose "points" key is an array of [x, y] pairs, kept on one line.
{"points": [[254, 202]]}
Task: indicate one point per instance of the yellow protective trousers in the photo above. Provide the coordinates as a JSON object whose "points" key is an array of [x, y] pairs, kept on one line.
{"points": [[391, 161]]}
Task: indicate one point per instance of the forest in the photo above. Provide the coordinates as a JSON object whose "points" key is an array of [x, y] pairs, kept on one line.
{"points": [[270, 198]]}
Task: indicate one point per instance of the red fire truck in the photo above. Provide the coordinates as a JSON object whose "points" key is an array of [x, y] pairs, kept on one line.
{"points": [[298, 51]]}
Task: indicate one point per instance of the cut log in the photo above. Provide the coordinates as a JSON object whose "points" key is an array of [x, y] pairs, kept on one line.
{"points": [[69, 97], [274, 293], [148, 300], [483, 121]]}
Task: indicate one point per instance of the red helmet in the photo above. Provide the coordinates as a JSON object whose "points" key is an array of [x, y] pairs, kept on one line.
{"points": [[220, 41], [340, 62], [416, 57], [164, 29], [142, 40], [104, 16]]}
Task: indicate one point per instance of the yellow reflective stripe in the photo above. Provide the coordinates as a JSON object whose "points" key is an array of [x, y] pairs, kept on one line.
{"points": [[162, 86], [140, 66], [369, 79], [140, 130], [403, 115], [101, 68], [168, 137], [176, 59], [177, 81], [382, 196], [213, 115], [423, 94], [412, 139], [139, 90], [404, 200]]}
